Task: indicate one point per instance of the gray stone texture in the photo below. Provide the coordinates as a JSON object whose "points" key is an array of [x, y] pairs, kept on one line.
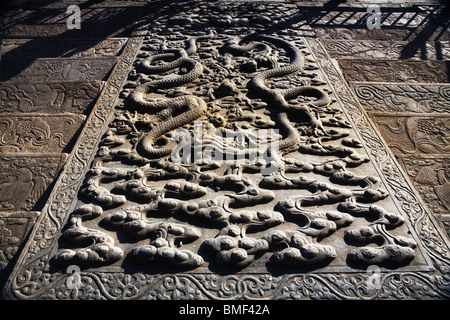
{"points": [[77, 158]]}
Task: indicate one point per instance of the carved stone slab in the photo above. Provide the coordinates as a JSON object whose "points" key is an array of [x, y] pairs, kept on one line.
{"points": [[39, 133], [430, 175], [25, 179], [58, 69], [413, 134], [370, 49], [227, 158], [445, 221], [394, 71], [403, 97], [436, 33], [26, 49], [48, 97], [14, 227], [98, 22]]}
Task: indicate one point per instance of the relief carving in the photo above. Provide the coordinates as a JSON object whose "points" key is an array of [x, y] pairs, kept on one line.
{"points": [[59, 69], [60, 97], [445, 221], [414, 135], [14, 227], [20, 49], [382, 34], [24, 179], [38, 134], [430, 175], [197, 210], [406, 71], [370, 49], [399, 97]]}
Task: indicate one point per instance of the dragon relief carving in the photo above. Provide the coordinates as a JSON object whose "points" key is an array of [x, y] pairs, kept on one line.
{"points": [[287, 208]]}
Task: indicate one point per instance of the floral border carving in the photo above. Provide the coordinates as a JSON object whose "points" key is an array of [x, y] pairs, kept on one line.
{"points": [[120, 286]]}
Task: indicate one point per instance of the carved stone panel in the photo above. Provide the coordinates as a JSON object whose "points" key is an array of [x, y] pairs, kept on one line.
{"points": [[415, 134], [431, 176], [14, 227], [227, 158], [370, 49], [403, 97], [101, 21], [395, 71], [15, 50], [58, 69], [432, 32], [445, 221], [24, 179], [39, 133], [48, 97]]}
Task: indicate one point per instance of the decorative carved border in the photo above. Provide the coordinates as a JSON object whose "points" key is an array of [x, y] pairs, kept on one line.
{"points": [[31, 279], [379, 49]]}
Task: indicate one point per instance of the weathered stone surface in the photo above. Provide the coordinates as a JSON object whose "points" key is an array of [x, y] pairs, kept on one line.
{"points": [[403, 97], [431, 177], [395, 71], [430, 32], [50, 97], [146, 218], [39, 133], [57, 69], [445, 222], [414, 134], [15, 50], [25, 179], [14, 228], [97, 22], [370, 49], [173, 189]]}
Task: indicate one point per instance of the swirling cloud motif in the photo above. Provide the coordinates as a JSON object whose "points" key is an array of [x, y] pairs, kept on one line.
{"points": [[101, 250], [162, 253]]}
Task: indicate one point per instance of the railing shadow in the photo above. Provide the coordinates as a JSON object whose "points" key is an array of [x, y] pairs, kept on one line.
{"points": [[97, 24], [434, 20]]}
